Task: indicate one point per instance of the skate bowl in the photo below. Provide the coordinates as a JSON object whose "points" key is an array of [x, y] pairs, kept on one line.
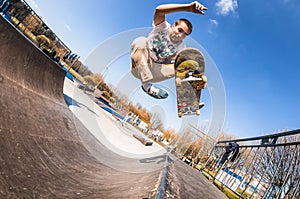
{"points": [[42, 155], [42, 152]]}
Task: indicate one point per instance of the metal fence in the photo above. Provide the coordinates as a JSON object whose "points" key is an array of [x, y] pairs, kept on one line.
{"points": [[193, 144], [258, 167], [21, 15]]}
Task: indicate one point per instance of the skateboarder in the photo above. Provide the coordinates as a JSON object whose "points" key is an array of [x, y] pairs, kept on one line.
{"points": [[152, 58]]}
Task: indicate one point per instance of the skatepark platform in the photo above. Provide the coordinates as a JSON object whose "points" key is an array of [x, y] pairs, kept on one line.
{"points": [[48, 152]]}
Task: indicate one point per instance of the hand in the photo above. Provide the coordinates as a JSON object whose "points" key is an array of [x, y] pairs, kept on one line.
{"points": [[197, 8]]}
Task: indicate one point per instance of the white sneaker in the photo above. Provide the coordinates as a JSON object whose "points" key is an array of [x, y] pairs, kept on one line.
{"points": [[156, 92]]}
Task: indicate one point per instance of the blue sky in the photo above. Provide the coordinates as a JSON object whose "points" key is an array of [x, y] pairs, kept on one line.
{"points": [[254, 44]]}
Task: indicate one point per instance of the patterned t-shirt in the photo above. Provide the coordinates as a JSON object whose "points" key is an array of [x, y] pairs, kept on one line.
{"points": [[162, 49]]}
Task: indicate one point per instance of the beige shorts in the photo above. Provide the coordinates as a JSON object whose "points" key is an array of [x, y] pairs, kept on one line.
{"points": [[143, 67]]}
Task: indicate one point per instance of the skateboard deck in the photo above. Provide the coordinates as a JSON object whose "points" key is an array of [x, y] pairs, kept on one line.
{"points": [[189, 70]]}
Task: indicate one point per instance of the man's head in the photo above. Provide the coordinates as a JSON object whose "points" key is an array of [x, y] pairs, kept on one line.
{"points": [[180, 29]]}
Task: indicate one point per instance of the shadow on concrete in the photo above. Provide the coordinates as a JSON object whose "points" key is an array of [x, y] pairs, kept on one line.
{"points": [[158, 159], [72, 102]]}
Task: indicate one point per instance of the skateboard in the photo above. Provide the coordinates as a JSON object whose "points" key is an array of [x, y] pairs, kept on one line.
{"points": [[189, 76]]}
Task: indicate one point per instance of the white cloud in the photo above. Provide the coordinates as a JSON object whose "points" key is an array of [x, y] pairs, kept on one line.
{"points": [[213, 25], [68, 27], [224, 7], [214, 22]]}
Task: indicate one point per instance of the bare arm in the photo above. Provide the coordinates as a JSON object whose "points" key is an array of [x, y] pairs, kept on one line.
{"points": [[162, 10]]}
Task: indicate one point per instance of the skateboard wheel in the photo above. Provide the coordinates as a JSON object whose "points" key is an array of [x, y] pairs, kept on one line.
{"points": [[179, 114], [204, 78], [197, 112], [178, 81]]}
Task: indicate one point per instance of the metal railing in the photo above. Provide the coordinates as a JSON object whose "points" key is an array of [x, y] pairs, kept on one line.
{"points": [[24, 18], [258, 167]]}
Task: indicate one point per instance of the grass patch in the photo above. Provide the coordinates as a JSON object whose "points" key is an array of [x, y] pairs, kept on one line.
{"points": [[229, 193]]}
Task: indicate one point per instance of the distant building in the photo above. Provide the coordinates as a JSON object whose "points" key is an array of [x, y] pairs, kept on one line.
{"points": [[158, 135], [135, 120]]}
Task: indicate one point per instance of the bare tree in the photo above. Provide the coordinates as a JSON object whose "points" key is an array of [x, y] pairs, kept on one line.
{"points": [[156, 121], [277, 169]]}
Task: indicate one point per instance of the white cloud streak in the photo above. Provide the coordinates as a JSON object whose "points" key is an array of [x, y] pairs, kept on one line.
{"points": [[68, 27], [213, 25], [224, 7], [214, 22]]}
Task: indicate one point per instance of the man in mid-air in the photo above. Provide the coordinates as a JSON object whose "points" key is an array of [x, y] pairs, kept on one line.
{"points": [[152, 58]]}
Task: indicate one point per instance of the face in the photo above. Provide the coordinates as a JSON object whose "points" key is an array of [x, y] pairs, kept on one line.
{"points": [[179, 31]]}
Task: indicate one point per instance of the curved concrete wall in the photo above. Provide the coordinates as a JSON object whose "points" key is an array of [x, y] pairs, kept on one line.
{"points": [[23, 63], [42, 155]]}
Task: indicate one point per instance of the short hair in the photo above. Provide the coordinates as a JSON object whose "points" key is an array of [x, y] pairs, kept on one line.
{"points": [[187, 22]]}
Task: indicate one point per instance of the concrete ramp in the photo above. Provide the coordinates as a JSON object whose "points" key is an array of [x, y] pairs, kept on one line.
{"points": [[41, 154]]}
